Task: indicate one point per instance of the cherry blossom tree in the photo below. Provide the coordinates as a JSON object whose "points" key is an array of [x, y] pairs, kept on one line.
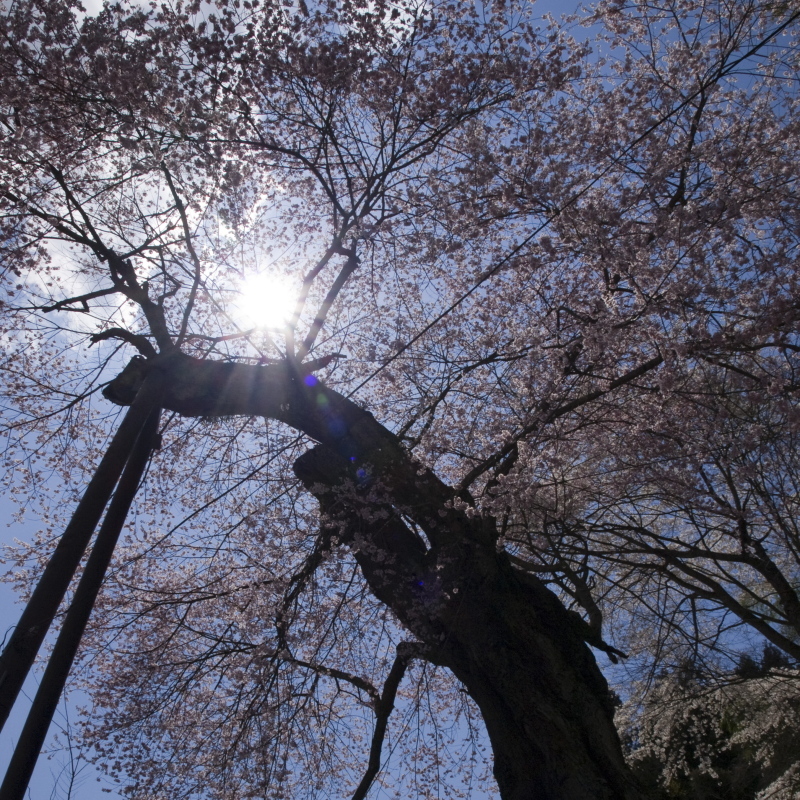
{"points": [[695, 738], [535, 390]]}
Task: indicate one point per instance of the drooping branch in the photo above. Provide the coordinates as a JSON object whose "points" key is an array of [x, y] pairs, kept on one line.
{"points": [[82, 300], [550, 416], [339, 675]]}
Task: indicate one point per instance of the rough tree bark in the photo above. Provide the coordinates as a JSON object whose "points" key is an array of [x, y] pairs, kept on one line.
{"points": [[520, 654]]}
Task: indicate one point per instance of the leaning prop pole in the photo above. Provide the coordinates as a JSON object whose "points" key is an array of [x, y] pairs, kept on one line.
{"points": [[24, 642], [46, 700]]}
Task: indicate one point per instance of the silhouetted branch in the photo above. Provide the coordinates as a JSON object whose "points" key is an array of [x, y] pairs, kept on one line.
{"points": [[383, 709], [141, 343]]}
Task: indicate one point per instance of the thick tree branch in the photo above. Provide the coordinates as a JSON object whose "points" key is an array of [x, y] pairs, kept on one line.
{"points": [[141, 343], [372, 454]]}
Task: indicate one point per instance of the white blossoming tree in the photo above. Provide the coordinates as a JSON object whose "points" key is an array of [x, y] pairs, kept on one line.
{"points": [[692, 738]]}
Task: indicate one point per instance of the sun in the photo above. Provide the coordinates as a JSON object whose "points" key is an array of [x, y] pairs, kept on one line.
{"points": [[265, 301]]}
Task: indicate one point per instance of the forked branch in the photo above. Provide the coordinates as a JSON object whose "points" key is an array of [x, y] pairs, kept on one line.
{"points": [[383, 709]]}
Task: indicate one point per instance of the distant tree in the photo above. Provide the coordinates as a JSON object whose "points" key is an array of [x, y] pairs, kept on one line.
{"points": [[739, 741], [536, 388]]}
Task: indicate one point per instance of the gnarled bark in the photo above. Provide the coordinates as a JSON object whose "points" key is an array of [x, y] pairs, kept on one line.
{"points": [[520, 654]]}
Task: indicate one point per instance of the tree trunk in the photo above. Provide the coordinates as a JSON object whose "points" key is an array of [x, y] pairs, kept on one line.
{"points": [[517, 650], [520, 654], [546, 706]]}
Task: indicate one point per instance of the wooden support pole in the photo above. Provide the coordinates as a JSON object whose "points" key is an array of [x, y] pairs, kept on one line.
{"points": [[46, 700], [27, 637]]}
